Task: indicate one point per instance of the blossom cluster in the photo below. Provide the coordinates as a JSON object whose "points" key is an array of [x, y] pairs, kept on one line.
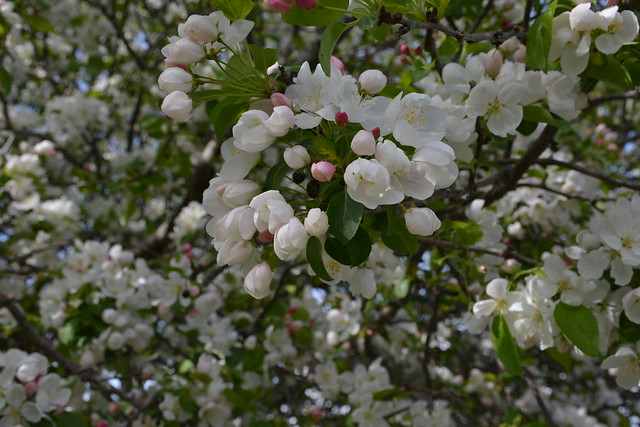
{"points": [[574, 30]]}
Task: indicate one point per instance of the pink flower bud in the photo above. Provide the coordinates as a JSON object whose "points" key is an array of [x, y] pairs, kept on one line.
{"points": [[279, 100], [175, 78], [405, 49], [278, 6], [342, 119], [306, 4], [113, 408], [186, 247], [338, 64], [376, 133], [31, 388], [418, 50], [201, 28], [265, 236], [322, 171], [373, 81], [492, 62], [102, 423], [364, 143]]}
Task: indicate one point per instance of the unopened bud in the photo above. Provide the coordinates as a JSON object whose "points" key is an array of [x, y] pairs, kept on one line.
{"points": [[342, 119]]}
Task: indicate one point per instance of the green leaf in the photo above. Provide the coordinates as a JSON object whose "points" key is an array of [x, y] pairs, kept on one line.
{"points": [[449, 46], [185, 366], [608, 69], [380, 32], [275, 176], [233, 9], [314, 258], [328, 42], [354, 252], [323, 148], [67, 333], [69, 419], [564, 359], [38, 23], [369, 21], [580, 326], [401, 289], [318, 16], [539, 39], [5, 80], [537, 113], [263, 57], [505, 346], [224, 114], [526, 127], [344, 215], [397, 237]]}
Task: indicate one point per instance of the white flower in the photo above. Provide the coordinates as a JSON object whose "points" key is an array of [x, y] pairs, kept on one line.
{"points": [[573, 288], [362, 281], [421, 221], [178, 106], [570, 46], [296, 157], [620, 28], [240, 193], [497, 289], [414, 121], [364, 143], [235, 225], [18, 408], [250, 132], [183, 51], [175, 79], [271, 211], [317, 222], [627, 368], [50, 395], [281, 121], [32, 366], [290, 240], [499, 103], [200, 28], [368, 183], [234, 252], [631, 304], [372, 81], [257, 281], [582, 18], [237, 162]]}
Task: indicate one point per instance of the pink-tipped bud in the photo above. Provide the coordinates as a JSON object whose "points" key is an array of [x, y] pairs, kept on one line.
{"points": [[306, 4], [322, 171], [405, 49], [113, 408], [376, 132], [186, 247], [364, 143], [342, 119], [279, 100], [31, 388], [338, 64], [278, 6], [265, 237], [102, 423], [418, 50]]}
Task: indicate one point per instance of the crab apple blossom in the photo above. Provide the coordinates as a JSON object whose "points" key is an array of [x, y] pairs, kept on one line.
{"points": [[322, 171], [296, 157], [257, 281], [421, 221], [175, 79], [178, 106], [372, 81]]}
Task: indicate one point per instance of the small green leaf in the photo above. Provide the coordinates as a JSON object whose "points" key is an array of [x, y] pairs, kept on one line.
{"points": [[537, 113], [185, 366], [564, 359], [397, 237], [401, 289], [526, 127], [233, 9], [69, 419], [505, 346], [263, 57], [67, 333], [539, 39], [354, 252], [224, 114], [5, 80], [328, 42], [314, 258], [608, 69], [380, 32], [369, 21], [318, 16], [344, 215], [275, 176], [580, 326]]}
